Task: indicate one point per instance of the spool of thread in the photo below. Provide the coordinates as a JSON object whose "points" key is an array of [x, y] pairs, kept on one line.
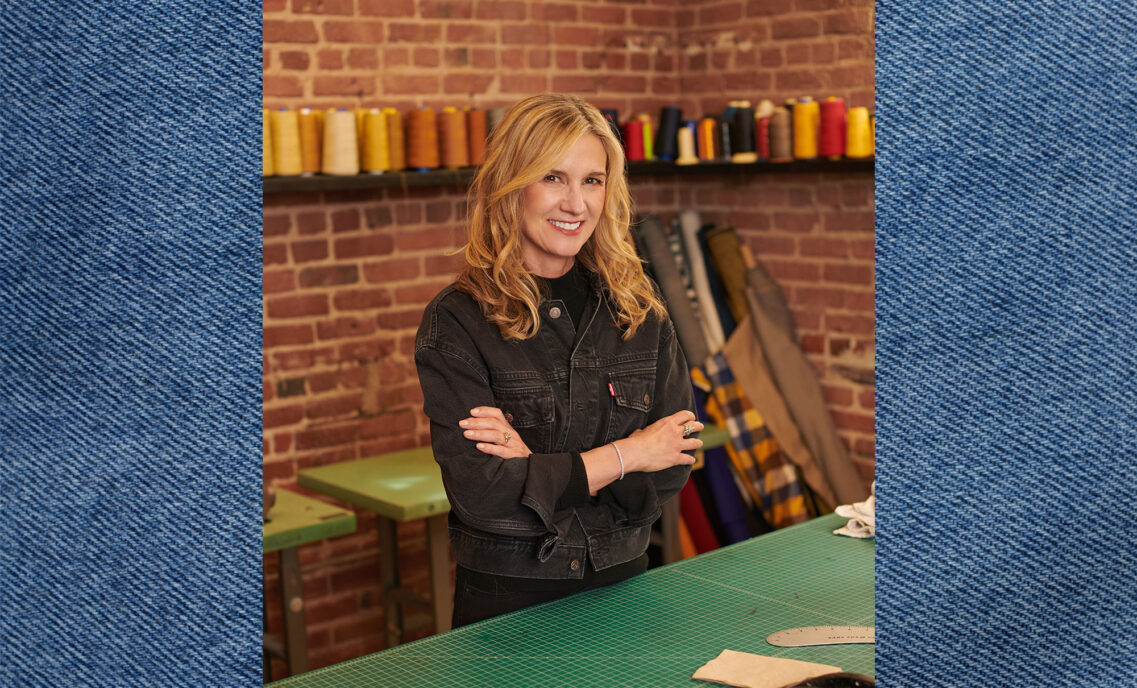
{"points": [[376, 145], [807, 120], [744, 150], [476, 136], [685, 139], [422, 140], [781, 136], [309, 142], [666, 140], [454, 147], [396, 142], [859, 144], [707, 137], [360, 115], [286, 143], [268, 165], [765, 108], [649, 146], [613, 118], [762, 136], [341, 150], [831, 136], [634, 139]]}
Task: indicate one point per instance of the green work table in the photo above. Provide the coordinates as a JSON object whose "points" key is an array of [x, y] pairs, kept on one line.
{"points": [[296, 520], [401, 486], [654, 630]]}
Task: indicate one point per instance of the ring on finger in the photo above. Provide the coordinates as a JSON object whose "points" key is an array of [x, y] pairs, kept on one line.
{"points": [[506, 437], [687, 429]]}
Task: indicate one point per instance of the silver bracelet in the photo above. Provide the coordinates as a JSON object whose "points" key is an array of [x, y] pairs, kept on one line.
{"points": [[621, 458]]}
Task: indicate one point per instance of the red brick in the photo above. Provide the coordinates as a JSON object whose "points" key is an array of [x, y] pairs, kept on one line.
{"points": [[839, 396], [863, 250], [853, 48], [771, 57], [852, 421], [512, 58], [275, 225], [798, 80], [432, 238], [860, 301], [362, 299], [798, 53], [345, 327], [308, 251], [795, 222], [848, 22], [813, 343], [322, 7], [418, 293], [361, 351], [773, 246], [325, 276], [795, 28], [414, 32], [295, 60], [399, 84], [792, 270], [387, 8], [575, 84], [829, 248], [285, 415], [312, 223], [844, 77], [336, 406], [852, 324], [322, 382], [866, 398], [849, 274], [556, 12], [485, 58], [720, 14], [522, 83], [576, 35], [864, 447], [624, 84], [539, 58], [501, 9], [824, 53], [318, 438], [838, 346], [392, 270], [817, 296], [362, 58], [297, 306], [614, 16], [849, 221], [750, 220], [343, 85], [525, 34], [274, 5], [446, 9], [345, 220], [456, 57], [301, 359], [445, 264], [399, 320], [354, 31], [279, 31], [471, 33], [396, 57], [286, 335], [281, 444], [767, 8], [408, 214], [330, 59], [370, 245], [277, 281], [427, 57], [387, 425], [281, 86], [566, 59], [466, 83]]}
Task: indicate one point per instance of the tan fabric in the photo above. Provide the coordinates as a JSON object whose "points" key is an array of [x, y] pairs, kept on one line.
{"points": [[726, 256], [744, 355], [757, 671]]}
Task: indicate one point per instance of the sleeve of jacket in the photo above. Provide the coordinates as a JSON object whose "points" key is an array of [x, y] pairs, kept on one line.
{"points": [[641, 494], [518, 496]]}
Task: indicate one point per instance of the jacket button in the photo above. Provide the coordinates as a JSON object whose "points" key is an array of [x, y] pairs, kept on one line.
{"points": [[508, 417], [647, 398], [554, 312], [574, 565]]}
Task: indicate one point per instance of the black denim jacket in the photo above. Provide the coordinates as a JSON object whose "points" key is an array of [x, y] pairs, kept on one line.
{"points": [[564, 391]]}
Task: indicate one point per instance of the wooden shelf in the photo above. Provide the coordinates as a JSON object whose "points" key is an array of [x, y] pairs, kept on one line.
{"points": [[462, 177]]}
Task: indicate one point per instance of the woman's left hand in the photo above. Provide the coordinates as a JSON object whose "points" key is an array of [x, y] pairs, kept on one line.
{"points": [[494, 435]]}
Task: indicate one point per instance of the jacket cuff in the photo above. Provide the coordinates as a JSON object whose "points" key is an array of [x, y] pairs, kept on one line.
{"points": [[576, 491]]}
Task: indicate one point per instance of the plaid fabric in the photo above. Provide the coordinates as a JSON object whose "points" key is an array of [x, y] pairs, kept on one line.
{"points": [[770, 478]]}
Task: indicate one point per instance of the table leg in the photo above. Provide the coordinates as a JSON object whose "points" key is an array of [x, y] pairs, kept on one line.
{"points": [[389, 574], [438, 544], [669, 529], [292, 600]]}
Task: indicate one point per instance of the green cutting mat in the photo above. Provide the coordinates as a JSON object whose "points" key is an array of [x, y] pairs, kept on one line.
{"points": [[654, 630]]}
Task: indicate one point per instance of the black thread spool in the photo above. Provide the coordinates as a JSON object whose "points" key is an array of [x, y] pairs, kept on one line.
{"points": [[743, 131], [667, 138], [725, 138], [613, 117]]}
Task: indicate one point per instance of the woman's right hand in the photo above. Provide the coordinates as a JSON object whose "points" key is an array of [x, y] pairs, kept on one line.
{"points": [[661, 444]]}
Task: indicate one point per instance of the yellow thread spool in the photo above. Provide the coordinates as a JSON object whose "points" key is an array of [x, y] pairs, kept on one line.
{"points": [[396, 146], [422, 135], [309, 142], [707, 138], [360, 115], [268, 165], [375, 155], [686, 141], [858, 139], [286, 142], [649, 138], [341, 150], [807, 122], [453, 145]]}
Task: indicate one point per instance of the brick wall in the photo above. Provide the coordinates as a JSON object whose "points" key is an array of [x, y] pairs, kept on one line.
{"points": [[346, 274]]}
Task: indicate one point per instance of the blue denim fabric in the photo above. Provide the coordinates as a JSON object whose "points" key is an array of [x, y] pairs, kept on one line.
{"points": [[130, 359], [1006, 411]]}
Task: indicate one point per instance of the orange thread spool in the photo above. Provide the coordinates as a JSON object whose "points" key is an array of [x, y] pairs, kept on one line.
{"points": [[706, 138], [309, 142], [476, 133], [454, 151], [396, 142], [422, 132]]}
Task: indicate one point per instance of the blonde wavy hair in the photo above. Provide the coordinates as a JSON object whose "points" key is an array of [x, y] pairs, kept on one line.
{"points": [[532, 138]]}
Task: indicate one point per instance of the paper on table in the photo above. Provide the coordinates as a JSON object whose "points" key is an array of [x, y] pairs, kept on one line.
{"points": [[756, 671]]}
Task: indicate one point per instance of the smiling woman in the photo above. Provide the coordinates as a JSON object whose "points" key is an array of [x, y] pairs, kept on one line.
{"points": [[559, 402]]}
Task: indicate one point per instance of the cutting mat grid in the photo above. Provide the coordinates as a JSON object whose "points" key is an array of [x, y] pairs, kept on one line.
{"points": [[654, 630]]}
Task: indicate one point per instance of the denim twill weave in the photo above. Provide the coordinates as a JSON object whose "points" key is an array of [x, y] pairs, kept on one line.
{"points": [[130, 382], [1006, 263]]}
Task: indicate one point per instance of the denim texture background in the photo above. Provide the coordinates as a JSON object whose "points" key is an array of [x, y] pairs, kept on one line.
{"points": [[131, 349], [1006, 411]]}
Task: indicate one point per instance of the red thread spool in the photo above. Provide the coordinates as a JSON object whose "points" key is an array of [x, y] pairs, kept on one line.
{"points": [[634, 139], [831, 138], [762, 137]]}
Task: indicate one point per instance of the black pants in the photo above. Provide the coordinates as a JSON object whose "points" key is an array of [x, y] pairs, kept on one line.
{"points": [[479, 595]]}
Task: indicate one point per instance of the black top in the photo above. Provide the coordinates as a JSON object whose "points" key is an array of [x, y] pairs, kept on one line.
{"points": [[573, 289]]}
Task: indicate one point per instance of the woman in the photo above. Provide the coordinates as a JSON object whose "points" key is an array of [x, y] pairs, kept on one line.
{"points": [[558, 399]]}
